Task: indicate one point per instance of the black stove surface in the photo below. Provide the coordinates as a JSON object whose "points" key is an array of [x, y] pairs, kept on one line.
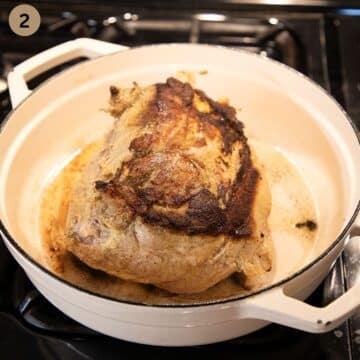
{"points": [[324, 45]]}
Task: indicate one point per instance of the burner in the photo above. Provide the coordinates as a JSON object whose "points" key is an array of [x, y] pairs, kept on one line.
{"points": [[267, 36]]}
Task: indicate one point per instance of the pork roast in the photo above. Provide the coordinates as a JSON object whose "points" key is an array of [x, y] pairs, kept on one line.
{"points": [[175, 197]]}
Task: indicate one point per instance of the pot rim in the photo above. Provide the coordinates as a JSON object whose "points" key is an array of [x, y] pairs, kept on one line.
{"points": [[234, 298]]}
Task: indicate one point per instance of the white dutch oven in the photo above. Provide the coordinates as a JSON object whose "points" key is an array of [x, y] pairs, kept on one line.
{"points": [[280, 107]]}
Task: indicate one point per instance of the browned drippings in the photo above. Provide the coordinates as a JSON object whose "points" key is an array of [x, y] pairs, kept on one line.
{"points": [[308, 224], [55, 205]]}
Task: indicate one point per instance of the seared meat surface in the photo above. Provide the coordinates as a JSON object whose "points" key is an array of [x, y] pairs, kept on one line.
{"points": [[174, 197]]}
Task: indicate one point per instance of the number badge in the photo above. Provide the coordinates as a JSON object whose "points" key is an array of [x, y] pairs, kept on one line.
{"points": [[24, 20]]}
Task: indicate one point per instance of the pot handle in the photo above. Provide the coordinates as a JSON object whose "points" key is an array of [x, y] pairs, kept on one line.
{"points": [[277, 307], [52, 57]]}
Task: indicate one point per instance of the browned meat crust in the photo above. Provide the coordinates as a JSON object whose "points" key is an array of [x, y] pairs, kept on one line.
{"points": [[163, 183]]}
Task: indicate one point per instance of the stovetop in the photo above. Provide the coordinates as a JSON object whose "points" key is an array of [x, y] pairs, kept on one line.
{"points": [[325, 45]]}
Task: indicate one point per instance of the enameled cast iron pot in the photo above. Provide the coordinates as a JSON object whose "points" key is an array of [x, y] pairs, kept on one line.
{"points": [[280, 107]]}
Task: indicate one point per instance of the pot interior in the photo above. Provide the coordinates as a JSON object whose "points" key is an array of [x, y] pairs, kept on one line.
{"points": [[278, 107]]}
